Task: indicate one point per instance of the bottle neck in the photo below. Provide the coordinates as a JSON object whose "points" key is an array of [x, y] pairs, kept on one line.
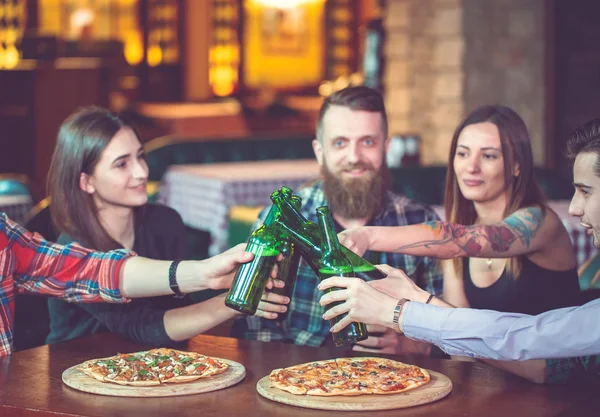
{"points": [[328, 235], [304, 243], [271, 215], [289, 212]]}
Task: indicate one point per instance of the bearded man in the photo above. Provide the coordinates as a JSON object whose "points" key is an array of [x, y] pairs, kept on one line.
{"points": [[350, 146]]}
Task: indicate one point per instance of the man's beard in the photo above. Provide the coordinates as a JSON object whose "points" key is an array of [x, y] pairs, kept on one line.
{"points": [[356, 198]]}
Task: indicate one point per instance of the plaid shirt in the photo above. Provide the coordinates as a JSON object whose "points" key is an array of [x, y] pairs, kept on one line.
{"points": [[584, 368], [304, 324], [30, 264]]}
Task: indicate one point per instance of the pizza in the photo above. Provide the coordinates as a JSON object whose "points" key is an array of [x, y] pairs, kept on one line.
{"points": [[349, 376], [153, 367]]}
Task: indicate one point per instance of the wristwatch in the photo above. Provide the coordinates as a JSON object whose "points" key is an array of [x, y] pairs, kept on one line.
{"points": [[397, 311]]}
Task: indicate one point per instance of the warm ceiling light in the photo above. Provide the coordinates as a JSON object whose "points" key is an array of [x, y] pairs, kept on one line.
{"points": [[81, 18], [283, 4]]}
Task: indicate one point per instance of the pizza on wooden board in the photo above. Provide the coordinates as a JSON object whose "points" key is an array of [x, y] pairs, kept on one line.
{"points": [[153, 367], [349, 376]]}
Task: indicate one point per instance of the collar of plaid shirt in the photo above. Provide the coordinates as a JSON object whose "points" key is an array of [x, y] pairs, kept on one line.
{"points": [[304, 324]]}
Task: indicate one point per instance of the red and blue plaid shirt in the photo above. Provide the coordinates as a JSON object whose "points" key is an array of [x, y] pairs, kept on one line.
{"points": [[30, 264]]}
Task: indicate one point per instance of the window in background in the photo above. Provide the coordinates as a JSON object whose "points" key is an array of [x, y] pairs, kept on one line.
{"points": [[163, 39], [283, 44], [12, 25], [224, 54], [342, 27], [94, 21]]}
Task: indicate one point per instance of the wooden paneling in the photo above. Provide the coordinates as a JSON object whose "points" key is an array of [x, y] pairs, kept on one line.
{"points": [[34, 102]]}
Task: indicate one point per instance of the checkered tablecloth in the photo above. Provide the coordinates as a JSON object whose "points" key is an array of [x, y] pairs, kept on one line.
{"points": [[582, 243], [16, 207], [204, 194]]}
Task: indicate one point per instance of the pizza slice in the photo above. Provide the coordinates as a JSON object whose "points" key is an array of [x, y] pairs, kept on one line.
{"points": [[122, 369], [349, 376], [385, 376], [153, 367]]}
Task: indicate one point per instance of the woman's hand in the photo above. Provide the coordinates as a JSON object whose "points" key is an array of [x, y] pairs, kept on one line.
{"points": [[398, 285], [219, 270], [362, 303], [357, 240]]}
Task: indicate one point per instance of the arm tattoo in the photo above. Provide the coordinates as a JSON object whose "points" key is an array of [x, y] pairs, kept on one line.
{"points": [[469, 240], [526, 224]]}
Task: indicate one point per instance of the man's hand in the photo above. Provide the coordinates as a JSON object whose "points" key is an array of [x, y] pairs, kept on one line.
{"points": [[398, 285], [271, 304], [385, 340], [360, 301], [357, 240]]}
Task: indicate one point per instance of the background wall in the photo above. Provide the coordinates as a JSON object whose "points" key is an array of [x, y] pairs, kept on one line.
{"points": [[446, 57]]}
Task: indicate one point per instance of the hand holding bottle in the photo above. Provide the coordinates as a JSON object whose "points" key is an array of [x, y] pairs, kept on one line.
{"points": [[359, 301], [273, 305], [218, 271]]}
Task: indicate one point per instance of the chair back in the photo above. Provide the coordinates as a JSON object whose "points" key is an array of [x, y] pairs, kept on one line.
{"points": [[40, 220], [14, 184], [32, 320]]}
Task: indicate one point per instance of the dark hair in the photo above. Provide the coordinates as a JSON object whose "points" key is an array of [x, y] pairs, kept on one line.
{"points": [[521, 190], [356, 98], [585, 138], [82, 138]]}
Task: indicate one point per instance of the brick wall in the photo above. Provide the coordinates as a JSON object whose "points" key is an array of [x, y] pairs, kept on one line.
{"points": [[445, 57]]}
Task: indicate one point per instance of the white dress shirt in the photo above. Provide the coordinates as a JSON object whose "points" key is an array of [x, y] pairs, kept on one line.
{"points": [[563, 333]]}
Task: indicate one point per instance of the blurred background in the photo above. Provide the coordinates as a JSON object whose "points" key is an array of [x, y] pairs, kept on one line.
{"points": [[236, 69], [226, 93]]}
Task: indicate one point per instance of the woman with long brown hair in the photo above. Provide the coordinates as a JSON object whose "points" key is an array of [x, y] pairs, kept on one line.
{"points": [[508, 250], [97, 183]]}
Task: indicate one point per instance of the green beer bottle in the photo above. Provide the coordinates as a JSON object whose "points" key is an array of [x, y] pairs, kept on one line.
{"points": [[287, 272], [288, 267], [293, 221], [249, 282], [306, 244], [336, 263]]}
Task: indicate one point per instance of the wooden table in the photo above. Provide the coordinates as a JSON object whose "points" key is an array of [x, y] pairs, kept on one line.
{"points": [[30, 384]]}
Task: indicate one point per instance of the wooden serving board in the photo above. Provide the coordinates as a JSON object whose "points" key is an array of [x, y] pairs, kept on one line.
{"points": [[438, 387], [76, 379]]}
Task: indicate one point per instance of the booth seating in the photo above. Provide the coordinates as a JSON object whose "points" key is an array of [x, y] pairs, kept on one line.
{"points": [[423, 183], [15, 196]]}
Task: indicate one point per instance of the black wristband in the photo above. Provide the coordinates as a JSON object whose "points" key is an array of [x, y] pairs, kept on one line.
{"points": [[173, 280]]}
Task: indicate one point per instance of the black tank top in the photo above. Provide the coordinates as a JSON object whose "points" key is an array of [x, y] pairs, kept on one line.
{"points": [[535, 291]]}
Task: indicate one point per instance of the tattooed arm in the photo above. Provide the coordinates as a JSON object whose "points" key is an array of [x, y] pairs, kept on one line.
{"points": [[525, 231]]}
